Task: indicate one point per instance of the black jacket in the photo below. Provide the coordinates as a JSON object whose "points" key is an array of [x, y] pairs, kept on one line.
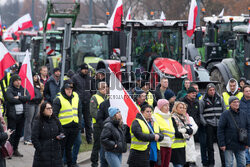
{"points": [[3, 138], [141, 158], [227, 132], [82, 86], [51, 88], [38, 97], [113, 134], [102, 113], [193, 109], [57, 106], [11, 101], [48, 148]]}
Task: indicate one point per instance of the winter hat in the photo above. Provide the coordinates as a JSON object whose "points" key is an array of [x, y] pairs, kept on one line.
{"points": [[232, 98], [15, 77], [143, 83], [56, 69], [68, 84], [138, 92], [169, 94], [112, 111], [161, 103], [191, 89], [210, 85], [84, 66], [101, 70]]}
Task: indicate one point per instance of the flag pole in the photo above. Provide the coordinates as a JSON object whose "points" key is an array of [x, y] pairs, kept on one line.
{"points": [[135, 105], [25, 86]]}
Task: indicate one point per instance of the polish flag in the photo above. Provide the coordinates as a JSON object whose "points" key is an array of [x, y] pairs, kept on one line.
{"points": [[221, 13], [128, 17], [192, 18], [26, 76], [1, 30], [22, 23], [49, 51], [248, 30], [120, 99], [163, 17], [6, 60], [115, 21], [48, 25], [40, 26]]}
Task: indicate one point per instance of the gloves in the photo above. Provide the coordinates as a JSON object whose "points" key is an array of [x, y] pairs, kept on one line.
{"points": [[182, 130], [186, 136], [189, 131]]}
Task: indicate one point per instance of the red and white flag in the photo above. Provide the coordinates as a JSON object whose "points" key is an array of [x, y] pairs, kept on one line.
{"points": [[221, 13], [6, 60], [26, 76], [248, 30], [192, 18], [22, 23], [120, 99], [48, 25], [128, 17], [1, 30], [163, 17], [115, 21], [49, 51]]}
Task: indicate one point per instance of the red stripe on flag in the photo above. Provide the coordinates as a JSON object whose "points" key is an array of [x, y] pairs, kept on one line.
{"points": [[26, 25], [5, 63], [118, 19], [190, 32], [132, 109]]}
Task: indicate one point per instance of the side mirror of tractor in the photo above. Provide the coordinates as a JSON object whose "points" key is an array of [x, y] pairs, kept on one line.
{"points": [[198, 38]]}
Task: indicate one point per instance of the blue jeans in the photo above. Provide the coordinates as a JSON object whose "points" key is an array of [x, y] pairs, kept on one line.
{"points": [[76, 147], [247, 155], [177, 165], [239, 155], [114, 159]]}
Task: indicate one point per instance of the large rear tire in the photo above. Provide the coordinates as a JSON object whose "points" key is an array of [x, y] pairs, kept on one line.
{"points": [[217, 76]]}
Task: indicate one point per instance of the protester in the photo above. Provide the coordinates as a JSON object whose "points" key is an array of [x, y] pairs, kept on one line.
{"points": [[52, 86], [16, 107], [100, 76], [228, 133], [95, 102], [170, 96], [212, 106], [32, 110], [4, 136], [67, 107], [183, 91], [43, 74], [161, 88], [47, 133], [113, 138], [245, 107], [242, 83], [232, 90], [145, 86], [196, 87], [140, 97], [182, 133], [82, 86], [163, 117], [145, 147]]}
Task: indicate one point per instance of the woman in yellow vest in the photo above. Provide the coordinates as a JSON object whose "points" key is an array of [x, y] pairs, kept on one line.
{"points": [[182, 132], [145, 147], [163, 117]]}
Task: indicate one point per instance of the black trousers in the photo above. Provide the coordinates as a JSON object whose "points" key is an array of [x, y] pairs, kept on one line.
{"points": [[17, 125], [211, 135], [96, 146], [68, 142], [87, 121]]}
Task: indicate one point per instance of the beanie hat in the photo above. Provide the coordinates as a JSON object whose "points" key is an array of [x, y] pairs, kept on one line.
{"points": [[191, 89], [232, 98], [101, 70], [68, 84], [161, 103], [169, 94], [210, 85], [143, 83], [138, 91], [84, 66], [56, 69], [15, 77], [112, 111]]}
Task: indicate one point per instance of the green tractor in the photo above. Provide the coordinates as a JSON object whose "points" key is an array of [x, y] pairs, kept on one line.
{"points": [[237, 66]]}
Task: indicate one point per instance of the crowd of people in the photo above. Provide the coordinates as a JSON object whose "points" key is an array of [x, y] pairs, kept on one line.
{"points": [[164, 131]]}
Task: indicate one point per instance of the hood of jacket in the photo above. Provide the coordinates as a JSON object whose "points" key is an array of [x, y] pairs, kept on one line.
{"points": [[236, 89]]}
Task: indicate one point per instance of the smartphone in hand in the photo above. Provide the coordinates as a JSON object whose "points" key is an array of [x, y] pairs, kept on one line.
{"points": [[61, 136]]}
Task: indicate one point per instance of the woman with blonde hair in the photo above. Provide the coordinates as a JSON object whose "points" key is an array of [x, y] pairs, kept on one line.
{"points": [[182, 132]]}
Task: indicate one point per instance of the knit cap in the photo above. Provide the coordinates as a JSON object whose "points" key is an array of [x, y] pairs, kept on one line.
{"points": [[191, 90], [232, 98], [15, 77], [112, 111], [161, 103], [169, 94]]}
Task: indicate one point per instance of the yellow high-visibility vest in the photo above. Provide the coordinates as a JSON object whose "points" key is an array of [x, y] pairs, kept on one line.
{"points": [[226, 97], [68, 112], [143, 145], [166, 129], [1, 105], [99, 101]]}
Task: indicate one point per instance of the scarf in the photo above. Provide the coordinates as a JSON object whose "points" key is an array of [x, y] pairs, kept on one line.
{"points": [[180, 120]]}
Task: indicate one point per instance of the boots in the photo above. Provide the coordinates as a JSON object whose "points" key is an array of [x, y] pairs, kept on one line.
{"points": [[17, 154]]}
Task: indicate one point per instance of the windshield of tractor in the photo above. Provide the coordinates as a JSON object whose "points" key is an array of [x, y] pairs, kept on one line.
{"points": [[151, 43], [89, 45], [239, 53]]}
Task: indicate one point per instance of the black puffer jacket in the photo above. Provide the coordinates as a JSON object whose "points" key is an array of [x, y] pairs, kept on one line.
{"points": [[82, 86], [113, 134], [11, 101], [38, 96], [3, 138], [48, 148]]}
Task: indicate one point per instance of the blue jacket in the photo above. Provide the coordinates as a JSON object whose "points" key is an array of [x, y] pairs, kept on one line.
{"points": [[227, 132], [245, 105]]}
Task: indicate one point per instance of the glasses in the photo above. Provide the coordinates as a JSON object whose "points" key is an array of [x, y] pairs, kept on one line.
{"points": [[48, 108]]}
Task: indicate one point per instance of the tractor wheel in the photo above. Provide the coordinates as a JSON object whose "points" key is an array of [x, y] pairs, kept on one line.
{"points": [[217, 76]]}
